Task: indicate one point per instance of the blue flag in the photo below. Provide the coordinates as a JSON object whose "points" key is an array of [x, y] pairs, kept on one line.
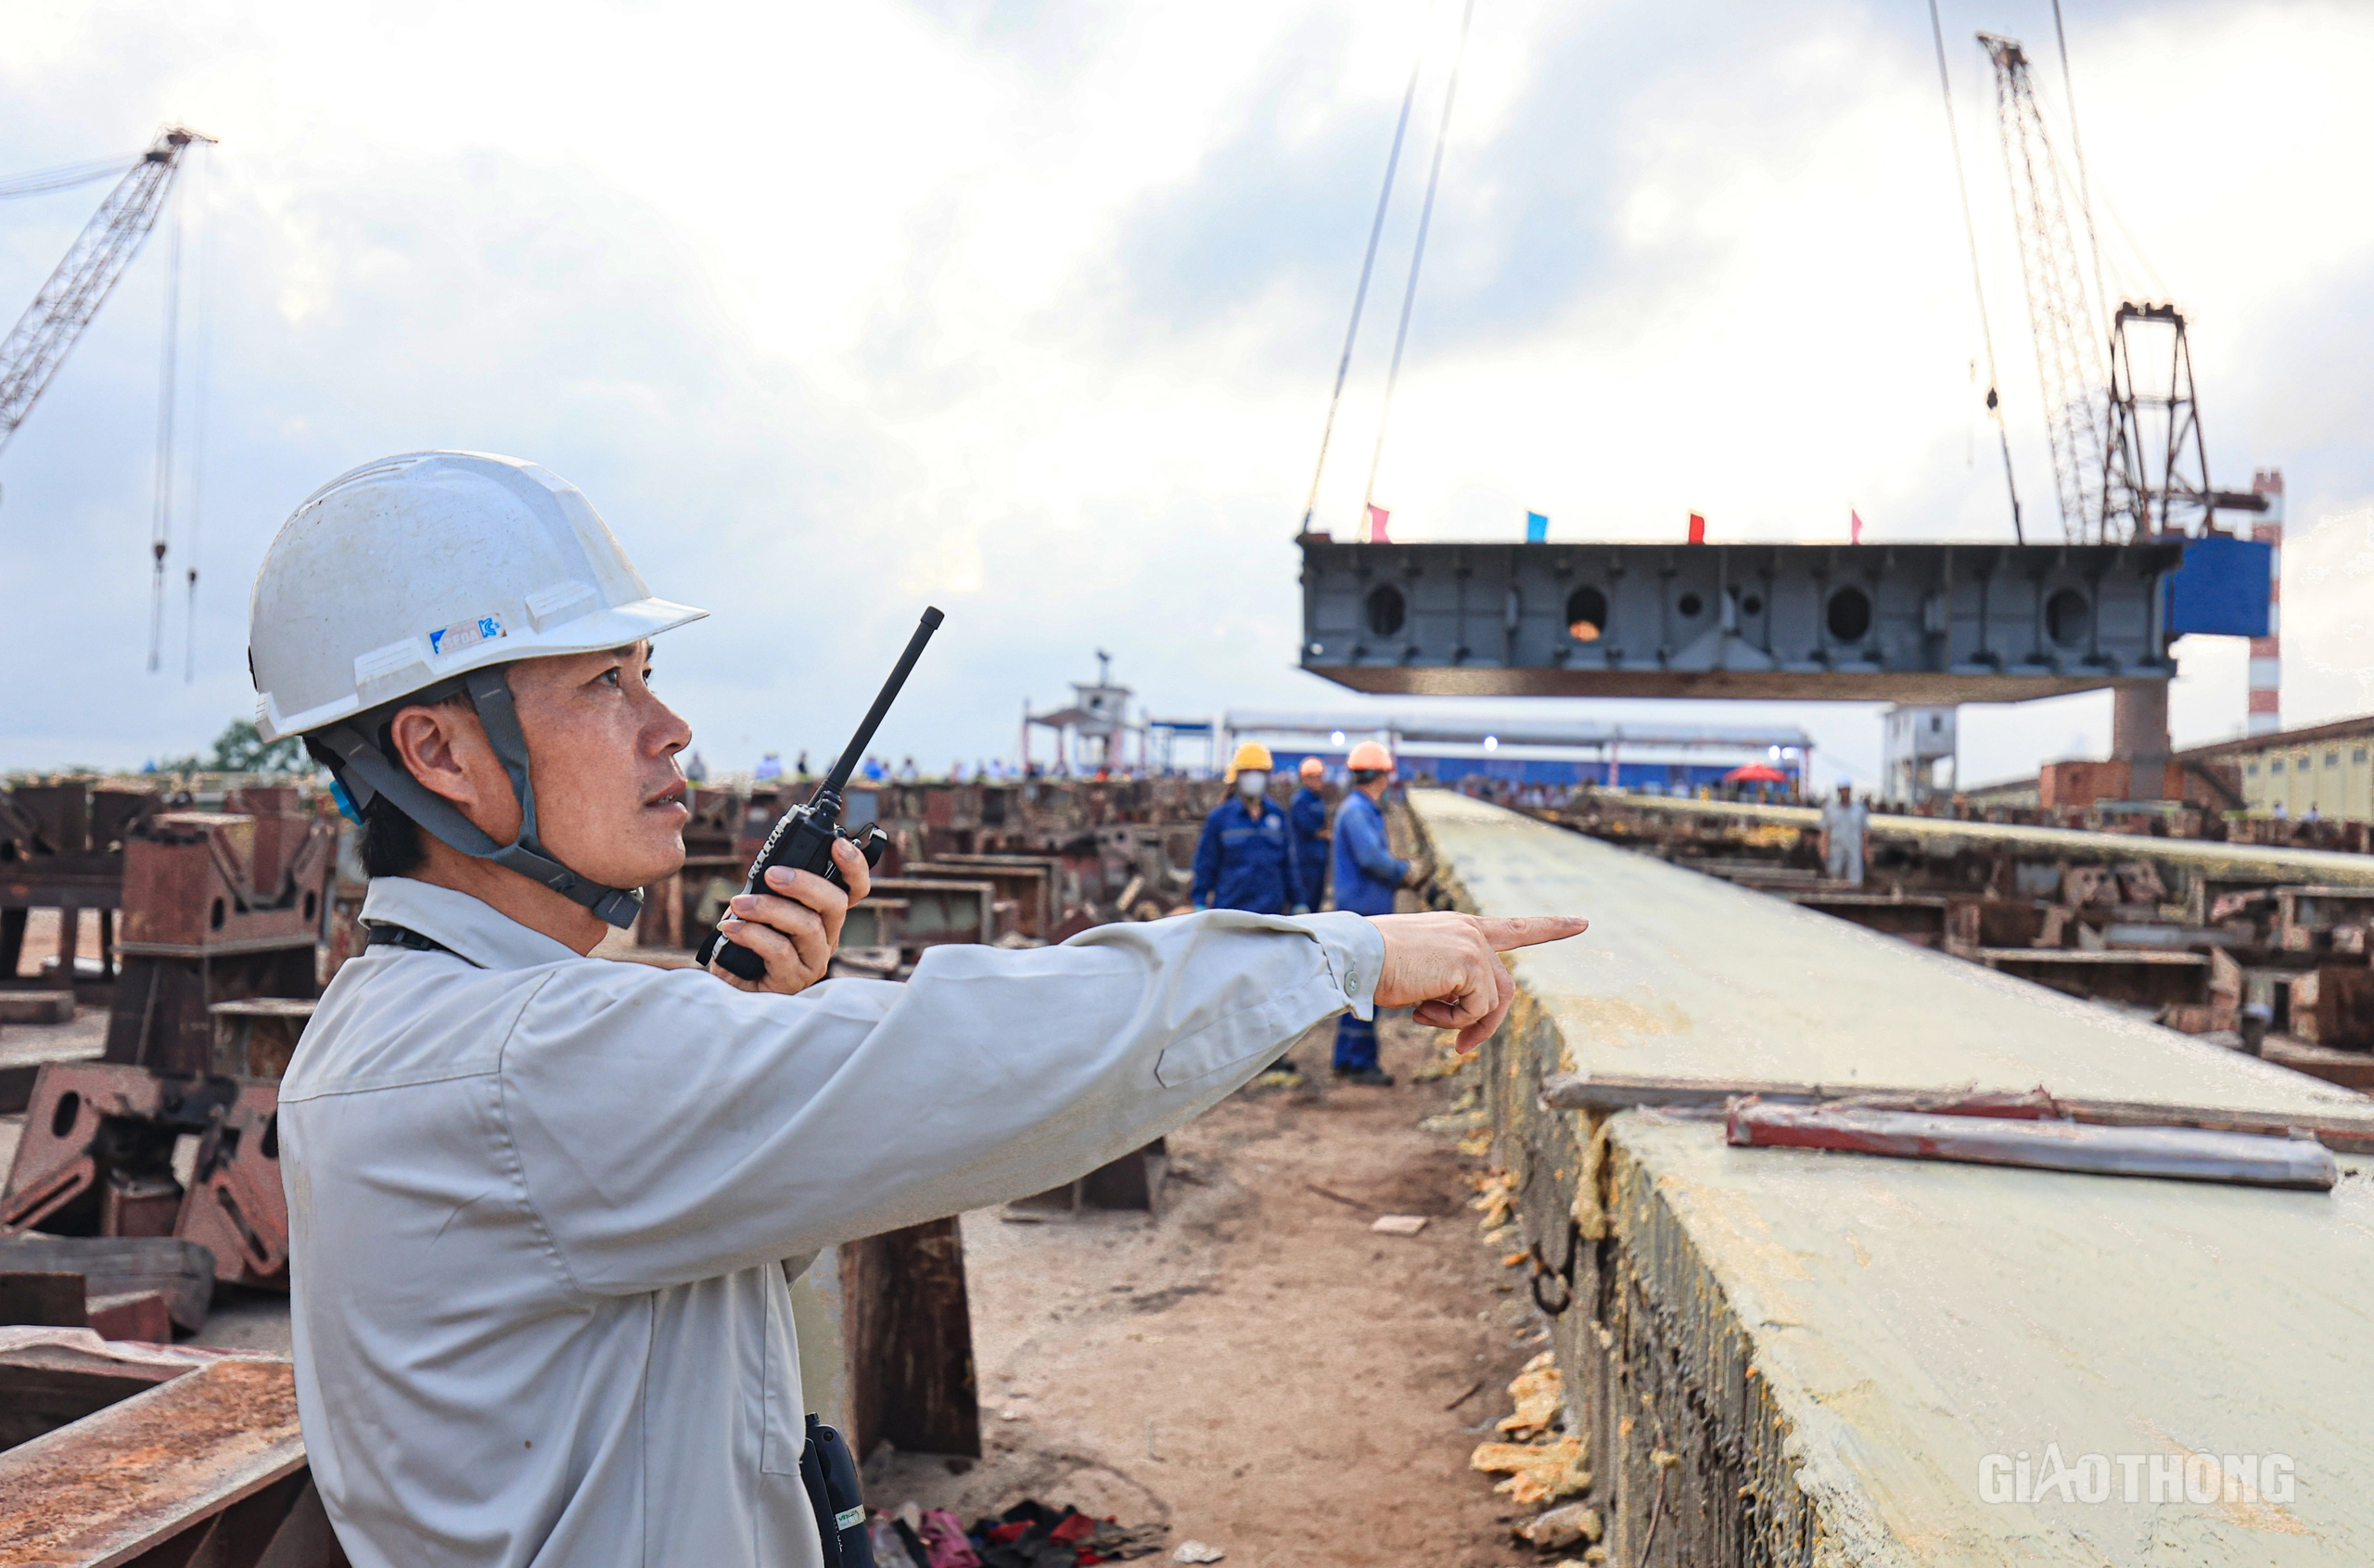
{"points": [[1536, 528]]}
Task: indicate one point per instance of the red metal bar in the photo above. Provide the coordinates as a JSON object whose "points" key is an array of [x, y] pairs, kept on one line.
{"points": [[2182, 1153]]}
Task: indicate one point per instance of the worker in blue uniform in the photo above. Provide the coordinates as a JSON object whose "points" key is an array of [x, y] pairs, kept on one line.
{"points": [[1307, 814], [1246, 859], [1367, 875]]}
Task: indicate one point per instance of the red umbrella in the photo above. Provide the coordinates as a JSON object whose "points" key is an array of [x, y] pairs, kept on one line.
{"points": [[1756, 773]]}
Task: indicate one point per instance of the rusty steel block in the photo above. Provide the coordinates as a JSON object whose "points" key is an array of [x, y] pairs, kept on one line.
{"points": [[2334, 1006], [133, 1204], [190, 881]]}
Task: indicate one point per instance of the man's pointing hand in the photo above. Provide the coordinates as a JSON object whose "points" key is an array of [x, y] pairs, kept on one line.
{"points": [[1448, 966]]}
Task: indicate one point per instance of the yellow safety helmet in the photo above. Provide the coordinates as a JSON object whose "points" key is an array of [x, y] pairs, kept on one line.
{"points": [[1252, 754], [1370, 757]]}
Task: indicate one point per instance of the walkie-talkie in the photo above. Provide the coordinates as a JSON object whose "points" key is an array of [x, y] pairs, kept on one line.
{"points": [[803, 839]]}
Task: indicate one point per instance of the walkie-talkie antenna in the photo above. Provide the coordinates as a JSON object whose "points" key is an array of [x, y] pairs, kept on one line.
{"points": [[838, 778]]}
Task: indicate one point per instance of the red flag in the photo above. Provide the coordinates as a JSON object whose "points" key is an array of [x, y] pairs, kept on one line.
{"points": [[1377, 519], [1697, 528], [1853, 526]]}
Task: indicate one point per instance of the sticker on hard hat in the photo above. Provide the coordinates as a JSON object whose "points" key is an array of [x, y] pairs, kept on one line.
{"points": [[466, 634]]}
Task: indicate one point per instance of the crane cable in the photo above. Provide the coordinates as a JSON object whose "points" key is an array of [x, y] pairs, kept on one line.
{"points": [[65, 176], [1417, 256], [2084, 188], [161, 511], [1978, 286], [202, 381], [1359, 295]]}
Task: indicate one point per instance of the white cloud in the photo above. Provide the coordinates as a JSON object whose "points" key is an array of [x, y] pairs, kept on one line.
{"points": [[2329, 617], [832, 307]]}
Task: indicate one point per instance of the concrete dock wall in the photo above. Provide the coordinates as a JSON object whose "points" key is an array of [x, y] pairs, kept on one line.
{"points": [[1785, 1356]]}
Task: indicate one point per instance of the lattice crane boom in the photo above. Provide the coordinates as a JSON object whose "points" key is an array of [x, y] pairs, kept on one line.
{"points": [[2061, 311], [38, 344], [2157, 464]]}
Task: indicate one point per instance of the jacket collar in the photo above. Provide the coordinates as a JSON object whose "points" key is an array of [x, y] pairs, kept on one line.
{"points": [[472, 929]]}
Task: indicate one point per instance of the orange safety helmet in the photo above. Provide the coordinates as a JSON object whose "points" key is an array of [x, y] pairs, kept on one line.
{"points": [[1370, 757], [1313, 768]]}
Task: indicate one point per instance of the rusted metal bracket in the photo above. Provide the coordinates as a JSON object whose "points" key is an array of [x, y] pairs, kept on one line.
{"points": [[1563, 1273], [97, 1160]]}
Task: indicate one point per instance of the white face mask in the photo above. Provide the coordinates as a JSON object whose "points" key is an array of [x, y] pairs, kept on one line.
{"points": [[1252, 781]]}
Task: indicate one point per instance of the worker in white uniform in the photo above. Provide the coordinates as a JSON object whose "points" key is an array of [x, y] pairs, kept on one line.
{"points": [[541, 1206], [1846, 822]]}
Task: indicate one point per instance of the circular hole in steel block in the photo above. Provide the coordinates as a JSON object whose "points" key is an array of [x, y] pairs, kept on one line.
{"points": [[1387, 610], [1751, 604], [1586, 615], [1689, 604], [2067, 618], [67, 1111], [214, 915], [1850, 615]]}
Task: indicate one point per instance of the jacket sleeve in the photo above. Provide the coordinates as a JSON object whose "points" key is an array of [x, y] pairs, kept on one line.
{"points": [[1208, 863], [1364, 832], [667, 1128]]}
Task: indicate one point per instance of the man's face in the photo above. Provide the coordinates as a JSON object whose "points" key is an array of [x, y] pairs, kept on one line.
{"points": [[601, 753]]}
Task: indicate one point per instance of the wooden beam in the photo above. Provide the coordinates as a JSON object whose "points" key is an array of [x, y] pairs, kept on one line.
{"points": [[908, 1335]]}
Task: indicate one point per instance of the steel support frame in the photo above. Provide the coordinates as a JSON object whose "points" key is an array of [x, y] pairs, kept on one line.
{"points": [[1923, 624]]}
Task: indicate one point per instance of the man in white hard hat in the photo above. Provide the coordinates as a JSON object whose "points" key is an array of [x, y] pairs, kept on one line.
{"points": [[540, 1206]]}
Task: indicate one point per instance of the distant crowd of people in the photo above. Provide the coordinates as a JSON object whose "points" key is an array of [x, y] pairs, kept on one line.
{"points": [[878, 770]]}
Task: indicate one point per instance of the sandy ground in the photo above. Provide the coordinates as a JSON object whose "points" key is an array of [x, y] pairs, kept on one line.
{"points": [[1253, 1366]]}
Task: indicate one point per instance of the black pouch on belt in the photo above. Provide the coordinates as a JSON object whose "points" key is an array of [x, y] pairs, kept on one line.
{"points": [[830, 1475]]}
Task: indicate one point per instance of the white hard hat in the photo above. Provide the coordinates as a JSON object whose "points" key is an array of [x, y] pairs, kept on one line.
{"points": [[422, 576], [414, 569]]}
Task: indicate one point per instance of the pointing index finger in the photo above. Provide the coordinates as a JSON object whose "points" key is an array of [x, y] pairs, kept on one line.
{"points": [[1505, 932]]}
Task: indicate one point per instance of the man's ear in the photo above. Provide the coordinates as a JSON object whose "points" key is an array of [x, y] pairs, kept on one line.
{"points": [[443, 746]]}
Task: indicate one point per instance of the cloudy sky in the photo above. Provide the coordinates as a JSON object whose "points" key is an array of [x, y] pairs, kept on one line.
{"points": [[1031, 310]]}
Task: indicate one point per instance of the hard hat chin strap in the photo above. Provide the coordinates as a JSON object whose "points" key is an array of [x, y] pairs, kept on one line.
{"points": [[361, 763]]}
